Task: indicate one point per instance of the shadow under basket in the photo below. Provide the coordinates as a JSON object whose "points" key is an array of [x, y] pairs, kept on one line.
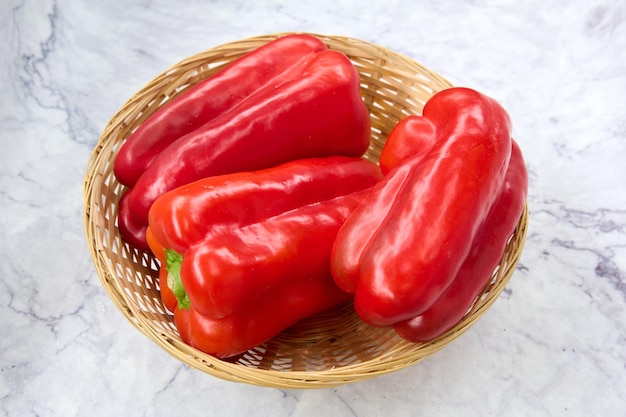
{"points": [[329, 349]]}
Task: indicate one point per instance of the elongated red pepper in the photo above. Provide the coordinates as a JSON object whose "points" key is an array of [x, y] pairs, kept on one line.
{"points": [[484, 256], [320, 113], [427, 213], [412, 138], [246, 245], [189, 213], [204, 101]]}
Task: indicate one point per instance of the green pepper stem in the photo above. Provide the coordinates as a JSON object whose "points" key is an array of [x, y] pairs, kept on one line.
{"points": [[173, 262]]}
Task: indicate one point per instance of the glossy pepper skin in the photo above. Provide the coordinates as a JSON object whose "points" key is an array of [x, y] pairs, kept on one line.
{"points": [[247, 254], [206, 100], [319, 113], [401, 249], [257, 323], [413, 137], [485, 254]]}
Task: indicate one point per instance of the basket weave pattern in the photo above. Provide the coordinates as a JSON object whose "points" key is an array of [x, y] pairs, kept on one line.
{"points": [[329, 349]]}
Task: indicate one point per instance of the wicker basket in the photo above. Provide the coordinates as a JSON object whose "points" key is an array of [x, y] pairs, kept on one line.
{"points": [[329, 349]]}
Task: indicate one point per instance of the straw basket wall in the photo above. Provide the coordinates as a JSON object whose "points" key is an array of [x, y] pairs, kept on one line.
{"points": [[329, 349]]}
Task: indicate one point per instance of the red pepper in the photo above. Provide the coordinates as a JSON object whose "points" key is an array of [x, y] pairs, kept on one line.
{"points": [[413, 137], [248, 253], [319, 113], [257, 323], [206, 100], [401, 249], [484, 256]]}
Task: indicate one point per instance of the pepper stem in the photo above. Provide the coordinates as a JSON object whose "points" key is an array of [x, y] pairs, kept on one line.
{"points": [[173, 262]]}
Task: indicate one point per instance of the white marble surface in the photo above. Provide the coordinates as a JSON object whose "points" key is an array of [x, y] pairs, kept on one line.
{"points": [[553, 345]]}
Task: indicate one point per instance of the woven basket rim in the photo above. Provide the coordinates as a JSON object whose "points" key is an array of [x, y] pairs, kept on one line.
{"points": [[100, 160]]}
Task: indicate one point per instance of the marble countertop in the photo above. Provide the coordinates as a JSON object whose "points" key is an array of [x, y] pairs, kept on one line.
{"points": [[554, 344]]}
